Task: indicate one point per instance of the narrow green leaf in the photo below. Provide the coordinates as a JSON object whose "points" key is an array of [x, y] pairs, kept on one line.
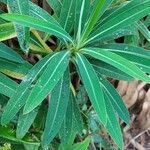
{"points": [[7, 31], [56, 6], [137, 55], [7, 86], [144, 30], [9, 54], [28, 21], [39, 122], [81, 16], [115, 100], [39, 13], [24, 122], [109, 71], [91, 84], [14, 70], [112, 124], [78, 121], [48, 80], [147, 21], [121, 18], [129, 30], [23, 33], [67, 12], [57, 109], [93, 19], [18, 99], [82, 145], [68, 123], [117, 61]]}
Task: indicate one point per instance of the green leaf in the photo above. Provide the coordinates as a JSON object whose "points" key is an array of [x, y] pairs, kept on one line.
{"points": [[39, 13], [91, 84], [48, 80], [9, 54], [81, 16], [129, 30], [57, 109], [3, 1], [31, 147], [147, 21], [7, 31], [18, 99], [115, 100], [69, 142], [78, 121], [93, 19], [24, 122], [144, 30], [7, 86], [7, 133], [109, 71], [23, 33], [28, 21], [117, 61], [56, 6], [112, 124], [14, 70], [137, 55], [68, 123], [82, 145], [67, 12], [121, 18]]}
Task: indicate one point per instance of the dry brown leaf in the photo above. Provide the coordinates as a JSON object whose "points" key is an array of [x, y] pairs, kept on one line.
{"points": [[122, 87], [144, 117]]}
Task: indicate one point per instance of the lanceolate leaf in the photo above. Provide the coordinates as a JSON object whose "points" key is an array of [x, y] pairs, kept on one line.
{"points": [[24, 122], [115, 99], [109, 71], [38, 12], [138, 56], [54, 71], [93, 18], [121, 18], [81, 15], [67, 127], [117, 61], [112, 124], [18, 99], [9, 54], [57, 109], [23, 33], [7, 31], [7, 86], [129, 30], [91, 83], [28, 21], [67, 12]]}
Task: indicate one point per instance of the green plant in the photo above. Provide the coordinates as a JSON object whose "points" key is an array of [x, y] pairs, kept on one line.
{"points": [[85, 53]]}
